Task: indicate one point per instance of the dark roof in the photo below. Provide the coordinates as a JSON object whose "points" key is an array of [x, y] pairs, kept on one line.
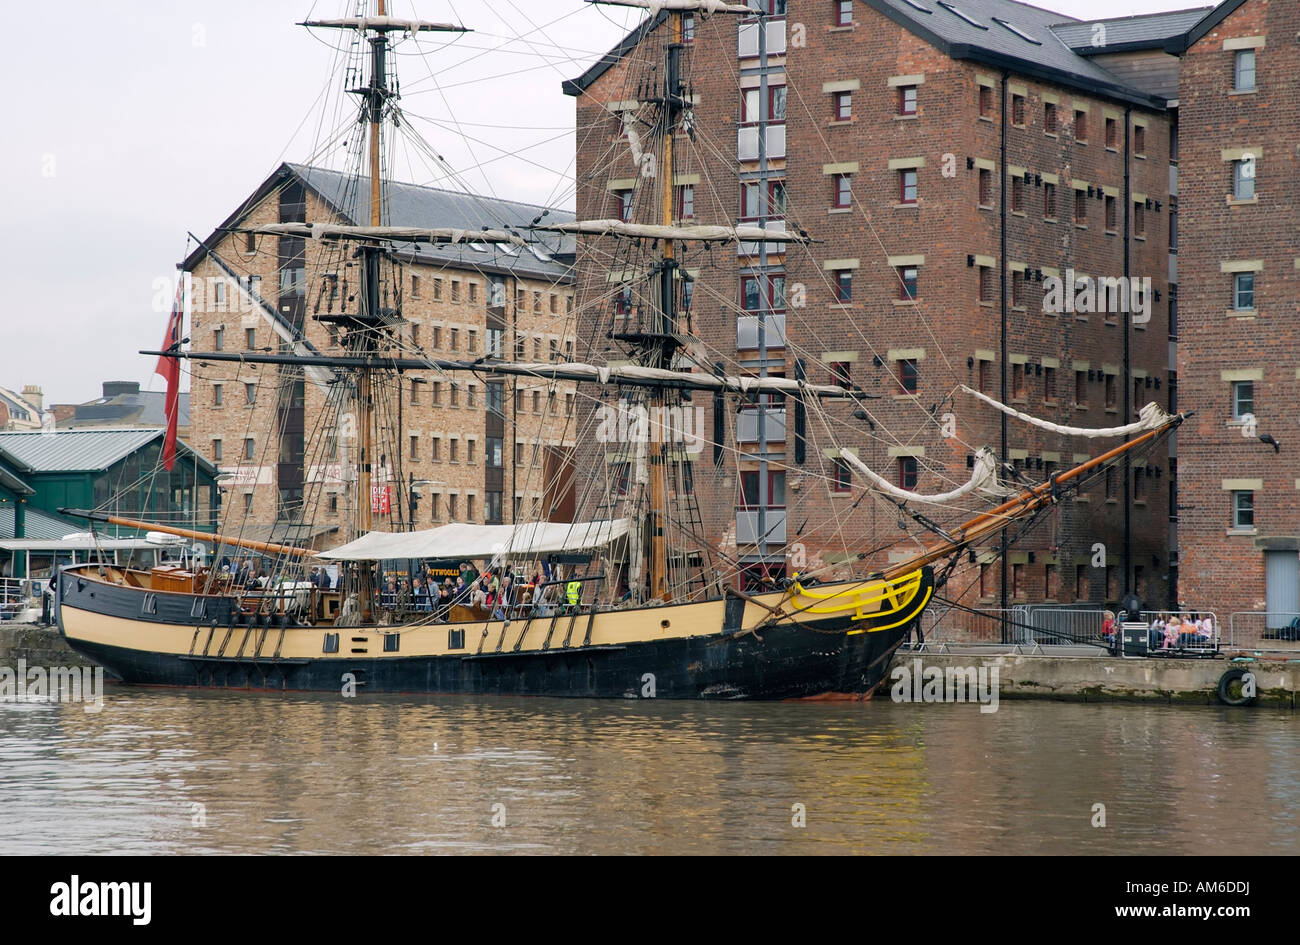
{"points": [[1180, 44], [37, 523], [417, 205], [88, 450], [601, 66], [1002, 34], [142, 408], [10, 481], [1008, 35], [1129, 33]]}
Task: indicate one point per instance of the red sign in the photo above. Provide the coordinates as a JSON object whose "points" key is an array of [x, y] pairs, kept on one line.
{"points": [[381, 499]]}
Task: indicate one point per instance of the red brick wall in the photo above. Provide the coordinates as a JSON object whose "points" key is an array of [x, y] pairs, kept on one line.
{"points": [[947, 321], [1217, 569]]}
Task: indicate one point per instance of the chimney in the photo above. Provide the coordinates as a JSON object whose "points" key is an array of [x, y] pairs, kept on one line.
{"points": [[34, 396], [118, 388]]}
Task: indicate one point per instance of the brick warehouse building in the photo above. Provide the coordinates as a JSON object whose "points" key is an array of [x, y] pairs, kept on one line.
{"points": [[477, 449], [1239, 253], [952, 160]]}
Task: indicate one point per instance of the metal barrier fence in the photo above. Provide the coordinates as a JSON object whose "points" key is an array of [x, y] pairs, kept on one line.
{"points": [[979, 625], [1263, 629]]}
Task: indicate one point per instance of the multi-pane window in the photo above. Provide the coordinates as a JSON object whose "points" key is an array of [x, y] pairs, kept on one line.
{"points": [[843, 106], [986, 101], [907, 100], [1081, 207], [250, 449], [840, 374], [688, 27], [907, 186], [750, 102], [751, 194], [1112, 222], [843, 476], [624, 198], [985, 379], [1112, 133], [1243, 71], [1080, 126], [1049, 385], [685, 211], [1018, 381], [907, 376], [907, 280], [1139, 219], [986, 283], [1243, 292], [843, 285], [1080, 387], [1243, 509], [986, 187], [1243, 179], [1111, 398], [1049, 117], [1018, 288], [843, 189], [907, 472], [1243, 399], [1139, 140], [414, 449], [751, 293], [843, 12], [1018, 110], [1049, 201], [1017, 194], [216, 395]]}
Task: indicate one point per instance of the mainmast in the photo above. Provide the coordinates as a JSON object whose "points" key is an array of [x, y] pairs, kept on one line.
{"points": [[365, 326]]}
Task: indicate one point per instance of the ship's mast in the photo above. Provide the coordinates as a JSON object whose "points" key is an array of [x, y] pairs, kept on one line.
{"points": [[667, 327]]}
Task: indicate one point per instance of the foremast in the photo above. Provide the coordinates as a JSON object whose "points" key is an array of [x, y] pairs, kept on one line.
{"points": [[365, 327]]}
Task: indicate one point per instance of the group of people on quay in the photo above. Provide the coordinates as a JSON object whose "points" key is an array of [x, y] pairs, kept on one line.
{"points": [[1170, 631]]}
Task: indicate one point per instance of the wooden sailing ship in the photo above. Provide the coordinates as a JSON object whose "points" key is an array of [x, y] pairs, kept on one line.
{"points": [[615, 617]]}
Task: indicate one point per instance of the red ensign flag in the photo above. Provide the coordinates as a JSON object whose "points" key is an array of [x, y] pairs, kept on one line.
{"points": [[170, 368]]}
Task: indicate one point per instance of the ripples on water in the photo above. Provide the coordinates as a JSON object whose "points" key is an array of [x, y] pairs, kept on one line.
{"points": [[321, 774]]}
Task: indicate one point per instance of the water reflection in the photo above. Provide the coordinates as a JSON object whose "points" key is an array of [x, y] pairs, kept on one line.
{"points": [[159, 772]]}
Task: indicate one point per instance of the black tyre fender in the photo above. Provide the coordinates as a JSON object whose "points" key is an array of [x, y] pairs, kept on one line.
{"points": [[1225, 688]]}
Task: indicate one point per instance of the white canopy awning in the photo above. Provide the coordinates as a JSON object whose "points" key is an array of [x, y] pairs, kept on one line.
{"points": [[529, 540]]}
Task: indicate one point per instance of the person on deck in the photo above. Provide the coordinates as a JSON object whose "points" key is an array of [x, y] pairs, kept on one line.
{"points": [[389, 596]]}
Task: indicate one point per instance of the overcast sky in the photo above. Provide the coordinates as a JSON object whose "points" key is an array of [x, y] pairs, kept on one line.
{"points": [[135, 122]]}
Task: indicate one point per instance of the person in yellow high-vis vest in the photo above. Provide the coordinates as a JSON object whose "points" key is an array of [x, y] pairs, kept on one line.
{"points": [[573, 594]]}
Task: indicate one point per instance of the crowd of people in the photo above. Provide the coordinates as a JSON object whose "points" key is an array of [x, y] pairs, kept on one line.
{"points": [[1169, 631], [493, 593]]}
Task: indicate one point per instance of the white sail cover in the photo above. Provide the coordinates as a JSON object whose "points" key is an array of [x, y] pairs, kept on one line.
{"points": [[462, 540], [413, 234], [605, 374], [689, 6], [658, 231], [1150, 417], [984, 478], [383, 24]]}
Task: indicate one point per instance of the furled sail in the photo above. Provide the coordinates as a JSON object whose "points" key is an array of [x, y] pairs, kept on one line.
{"points": [[385, 24], [637, 375], [1151, 417], [466, 541], [702, 233], [984, 478], [411, 234]]}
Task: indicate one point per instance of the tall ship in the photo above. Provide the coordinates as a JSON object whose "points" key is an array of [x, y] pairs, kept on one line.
{"points": [[611, 589]]}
